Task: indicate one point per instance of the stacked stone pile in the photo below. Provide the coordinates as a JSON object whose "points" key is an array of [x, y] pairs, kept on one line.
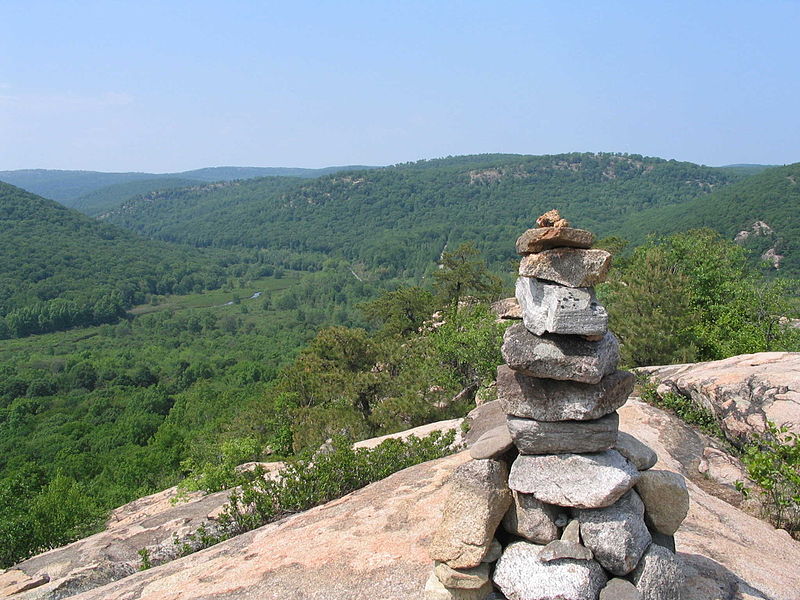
{"points": [[557, 504]]}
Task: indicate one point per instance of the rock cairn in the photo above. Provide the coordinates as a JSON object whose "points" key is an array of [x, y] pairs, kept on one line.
{"points": [[556, 503]]}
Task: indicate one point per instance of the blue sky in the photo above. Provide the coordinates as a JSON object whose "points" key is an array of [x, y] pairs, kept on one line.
{"points": [[168, 86]]}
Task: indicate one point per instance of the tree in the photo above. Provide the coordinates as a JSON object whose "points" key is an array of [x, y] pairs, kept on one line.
{"points": [[692, 296], [463, 271], [401, 311], [650, 312]]}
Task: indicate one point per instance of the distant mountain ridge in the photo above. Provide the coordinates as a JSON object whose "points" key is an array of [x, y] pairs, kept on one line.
{"points": [[66, 186], [398, 219]]}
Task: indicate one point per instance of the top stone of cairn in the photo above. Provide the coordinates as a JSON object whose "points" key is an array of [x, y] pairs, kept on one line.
{"points": [[552, 232]]}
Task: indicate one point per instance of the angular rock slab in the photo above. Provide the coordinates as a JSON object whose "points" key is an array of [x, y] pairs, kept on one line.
{"points": [[492, 444], [436, 590], [572, 267], [659, 575], [620, 589], [463, 579], [552, 356], [558, 549], [640, 454], [616, 534], [521, 575], [576, 480], [545, 238], [548, 400], [666, 499], [559, 437], [552, 308], [532, 519], [479, 497]]}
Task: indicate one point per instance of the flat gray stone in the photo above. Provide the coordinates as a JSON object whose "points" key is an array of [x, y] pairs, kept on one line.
{"points": [[576, 480], [560, 437], [521, 575], [559, 549], [563, 357], [492, 444], [532, 519], [616, 534], [483, 418], [436, 590], [666, 499], [479, 497], [464, 579], [640, 454], [549, 307], [529, 397], [620, 589], [659, 575], [545, 238], [572, 267]]}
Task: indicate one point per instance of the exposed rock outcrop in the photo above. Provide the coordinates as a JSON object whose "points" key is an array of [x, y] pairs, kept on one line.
{"points": [[373, 543], [742, 392]]}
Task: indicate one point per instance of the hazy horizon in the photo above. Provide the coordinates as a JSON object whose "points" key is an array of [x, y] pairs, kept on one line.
{"points": [[171, 87]]}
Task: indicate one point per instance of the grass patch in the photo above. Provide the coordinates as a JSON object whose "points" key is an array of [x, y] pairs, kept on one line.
{"points": [[682, 407], [221, 297]]}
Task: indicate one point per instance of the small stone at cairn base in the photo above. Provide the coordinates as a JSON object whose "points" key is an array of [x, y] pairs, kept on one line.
{"points": [[464, 579], [620, 589], [521, 575], [436, 590], [616, 534], [532, 519], [666, 499], [659, 575]]}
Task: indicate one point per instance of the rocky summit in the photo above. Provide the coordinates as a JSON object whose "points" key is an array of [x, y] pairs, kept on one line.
{"points": [[374, 542]]}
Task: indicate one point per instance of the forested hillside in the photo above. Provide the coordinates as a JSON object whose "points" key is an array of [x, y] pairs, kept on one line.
{"points": [[397, 220], [112, 196], [60, 268], [772, 196]]}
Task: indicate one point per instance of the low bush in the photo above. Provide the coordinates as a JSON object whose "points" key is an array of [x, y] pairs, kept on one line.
{"points": [[312, 480], [773, 463]]}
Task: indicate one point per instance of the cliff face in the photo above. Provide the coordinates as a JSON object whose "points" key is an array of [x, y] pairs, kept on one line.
{"points": [[374, 542]]}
